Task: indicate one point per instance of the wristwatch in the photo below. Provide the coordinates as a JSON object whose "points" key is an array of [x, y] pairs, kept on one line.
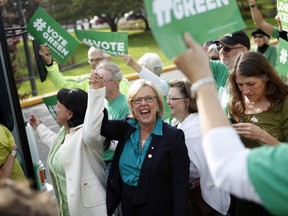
{"points": [[14, 153]]}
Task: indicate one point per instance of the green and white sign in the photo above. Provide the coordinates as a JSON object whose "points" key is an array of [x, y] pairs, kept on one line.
{"points": [[205, 20], [51, 103], [112, 43], [282, 58], [47, 31], [282, 8]]}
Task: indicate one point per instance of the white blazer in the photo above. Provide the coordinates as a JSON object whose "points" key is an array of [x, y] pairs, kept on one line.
{"points": [[82, 160]]}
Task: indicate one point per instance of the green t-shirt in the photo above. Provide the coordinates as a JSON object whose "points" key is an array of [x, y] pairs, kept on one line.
{"points": [[117, 108], [220, 73], [270, 53], [268, 172]]}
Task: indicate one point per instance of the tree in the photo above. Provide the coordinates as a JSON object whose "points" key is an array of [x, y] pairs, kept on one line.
{"points": [[111, 10]]}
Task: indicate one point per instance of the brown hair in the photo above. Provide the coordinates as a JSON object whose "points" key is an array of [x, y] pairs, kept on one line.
{"points": [[254, 64], [183, 86], [17, 199]]}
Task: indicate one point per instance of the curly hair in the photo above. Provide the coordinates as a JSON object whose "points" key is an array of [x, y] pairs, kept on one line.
{"points": [[254, 64]]}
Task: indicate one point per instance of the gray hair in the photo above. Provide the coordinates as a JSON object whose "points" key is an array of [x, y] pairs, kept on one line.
{"points": [[113, 69], [95, 50], [136, 87], [152, 62]]}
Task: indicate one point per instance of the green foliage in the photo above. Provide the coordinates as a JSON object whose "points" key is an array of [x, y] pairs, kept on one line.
{"points": [[140, 41]]}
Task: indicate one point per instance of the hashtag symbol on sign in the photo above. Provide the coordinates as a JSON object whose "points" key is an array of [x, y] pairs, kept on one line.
{"points": [[283, 56], [39, 24]]}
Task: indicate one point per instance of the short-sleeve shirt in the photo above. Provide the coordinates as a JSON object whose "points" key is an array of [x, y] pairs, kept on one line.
{"points": [[268, 172]]}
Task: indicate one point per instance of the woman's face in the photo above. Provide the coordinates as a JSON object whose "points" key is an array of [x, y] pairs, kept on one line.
{"points": [[62, 114], [259, 40], [145, 106], [178, 104], [253, 88]]}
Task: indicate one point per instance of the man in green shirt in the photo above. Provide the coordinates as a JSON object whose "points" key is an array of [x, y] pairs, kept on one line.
{"points": [[95, 56], [229, 46]]}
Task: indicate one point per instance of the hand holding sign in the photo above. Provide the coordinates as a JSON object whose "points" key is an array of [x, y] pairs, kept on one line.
{"points": [[47, 31], [112, 43]]}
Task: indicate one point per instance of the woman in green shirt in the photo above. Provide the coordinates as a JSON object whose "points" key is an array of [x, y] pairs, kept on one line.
{"points": [[259, 104]]}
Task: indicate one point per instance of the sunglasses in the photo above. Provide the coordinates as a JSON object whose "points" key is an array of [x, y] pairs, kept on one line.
{"points": [[258, 36], [227, 49]]}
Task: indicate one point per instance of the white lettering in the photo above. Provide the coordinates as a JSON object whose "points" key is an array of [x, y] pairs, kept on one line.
{"points": [[164, 10]]}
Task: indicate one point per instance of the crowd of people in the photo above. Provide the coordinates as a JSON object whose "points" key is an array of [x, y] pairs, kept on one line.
{"points": [[167, 148]]}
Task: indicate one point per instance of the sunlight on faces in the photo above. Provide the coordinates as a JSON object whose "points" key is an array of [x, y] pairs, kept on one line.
{"points": [[177, 103], [228, 57], [253, 88], [145, 113]]}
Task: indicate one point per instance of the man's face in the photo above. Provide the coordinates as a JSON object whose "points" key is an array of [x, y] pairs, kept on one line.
{"points": [[228, 53], [95, 58]]}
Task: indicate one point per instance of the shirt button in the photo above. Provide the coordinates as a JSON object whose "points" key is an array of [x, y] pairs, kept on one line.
{"points": [[149, 155]]}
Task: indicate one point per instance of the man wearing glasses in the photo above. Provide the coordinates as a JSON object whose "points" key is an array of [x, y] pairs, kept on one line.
{"points": [[229, 46], [95, 56]]}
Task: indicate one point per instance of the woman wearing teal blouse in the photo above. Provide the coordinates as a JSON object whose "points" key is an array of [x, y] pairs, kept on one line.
{"points": [[259, 104], [149, 174]]}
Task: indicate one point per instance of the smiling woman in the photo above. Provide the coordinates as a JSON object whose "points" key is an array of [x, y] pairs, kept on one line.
{"points": [[148, 167]]}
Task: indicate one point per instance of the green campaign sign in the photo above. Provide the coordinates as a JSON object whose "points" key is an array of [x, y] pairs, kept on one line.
{"points": [[282, 8], [51, 103], [47, 31], [112, 43], [282, 58], [205, 20]]}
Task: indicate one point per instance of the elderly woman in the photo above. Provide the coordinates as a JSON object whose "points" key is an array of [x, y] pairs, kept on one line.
{"points": [[75, 159], [149, 67], [184, 110], [149, 174], [261, 40]]}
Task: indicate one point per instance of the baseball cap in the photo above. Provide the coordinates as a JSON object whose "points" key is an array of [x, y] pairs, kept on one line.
{"points": [[259, 31], [235, 38]]}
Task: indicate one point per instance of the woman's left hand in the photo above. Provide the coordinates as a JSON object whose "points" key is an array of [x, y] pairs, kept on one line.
{"points": [[248, 130], [252, 131], [96, 80]]}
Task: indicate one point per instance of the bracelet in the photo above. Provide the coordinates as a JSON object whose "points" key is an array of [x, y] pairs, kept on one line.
{"points": [[252, 6], [199, 84]]}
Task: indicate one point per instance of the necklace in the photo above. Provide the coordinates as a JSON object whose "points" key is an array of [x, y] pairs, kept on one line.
{"points": [[143, 142]]}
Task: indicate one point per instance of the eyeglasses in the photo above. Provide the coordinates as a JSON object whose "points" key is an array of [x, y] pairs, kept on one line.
{"points": [[95, 60], [258, 36], [148, 99], [227, 49], [175, 98]]}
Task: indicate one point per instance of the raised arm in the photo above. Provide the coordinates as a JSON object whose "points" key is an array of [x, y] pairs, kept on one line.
{"points": [[94, 112], [258, 18], [146, 74], [226, 157]]}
